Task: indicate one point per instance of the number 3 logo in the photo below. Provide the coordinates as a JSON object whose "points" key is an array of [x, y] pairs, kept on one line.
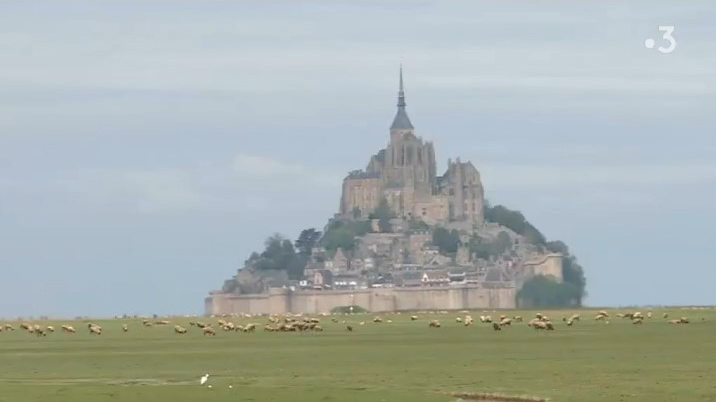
{"points": [[668, 30]]}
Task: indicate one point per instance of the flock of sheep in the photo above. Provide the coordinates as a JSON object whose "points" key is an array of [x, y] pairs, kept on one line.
{"points": [[301, 323]]}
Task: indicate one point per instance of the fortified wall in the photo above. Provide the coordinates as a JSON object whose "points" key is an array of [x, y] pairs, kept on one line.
{"points": [[281, 301]]}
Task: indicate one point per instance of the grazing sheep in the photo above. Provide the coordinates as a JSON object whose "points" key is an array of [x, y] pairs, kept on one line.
{"points": [[574, 317], [570, 322], [413, 317], [539, 316], [125, 328], [192, 323], [179, 329], [496, 326], [684, 320], [604, 313], [600, 317], [249, 328], [548, 325], [676, 321], [50, 328], [666, 315], [637, 321], [202, 325], [620, 315], [361, 323], [208, 331], [648, 314], [349, 328], [95, 329], [537, 324], [434, 324], [68, 328], [517, 318], [458, 320], [377, 319], [505, 321], [164, 322], [9, 327]]}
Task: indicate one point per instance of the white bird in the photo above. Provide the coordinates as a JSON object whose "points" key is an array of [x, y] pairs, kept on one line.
{"points": [[203, 379]]}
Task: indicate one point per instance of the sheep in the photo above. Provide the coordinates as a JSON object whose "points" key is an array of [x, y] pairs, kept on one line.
{"points": [[250, 328], [648, 314], [202, 325], [125, 328], [164, 322], [549, 326], [95, 329], [68, 328], [361, 323], [604, 313], [574, 317], [676, 321], [684, 320], [50, 328], [517, 318], [537, 324], [434, 324], [39, 331], [318, 328], [9, 327], [539, 316], [620, 315], [637, 321], [334, 320], [533, 322], [638, 315], [570, 321], [458, 320], [666, 315], [147, 323], [349, 328], [496, 326], [208, 331], [192, 323], [600, 317], [413, 317], [377, 319], [505, 321], [179, 329]]}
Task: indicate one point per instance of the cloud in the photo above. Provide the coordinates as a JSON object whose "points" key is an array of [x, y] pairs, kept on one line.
{"points": [[249, 182]]}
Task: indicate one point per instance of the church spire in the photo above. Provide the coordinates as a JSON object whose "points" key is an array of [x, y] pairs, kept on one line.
{"points": [[401, 120]]}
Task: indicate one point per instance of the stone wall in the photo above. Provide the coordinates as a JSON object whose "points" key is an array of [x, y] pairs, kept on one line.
{"points": [[546, 265], [280, 301]]}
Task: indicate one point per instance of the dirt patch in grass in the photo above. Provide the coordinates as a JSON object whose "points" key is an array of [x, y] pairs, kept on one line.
{"points": [[492, 397]]}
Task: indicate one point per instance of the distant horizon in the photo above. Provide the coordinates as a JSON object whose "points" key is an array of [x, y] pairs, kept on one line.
{"points": [[165, 144]]}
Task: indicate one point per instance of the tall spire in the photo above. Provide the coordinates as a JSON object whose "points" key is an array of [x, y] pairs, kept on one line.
{"points": [[401, 120], [401, 93]]}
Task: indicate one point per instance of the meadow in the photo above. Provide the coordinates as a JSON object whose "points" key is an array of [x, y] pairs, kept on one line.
{"points": [[402, 360]]}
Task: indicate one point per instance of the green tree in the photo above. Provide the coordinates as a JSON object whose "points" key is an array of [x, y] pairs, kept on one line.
{"points": [[446, 241], [543, 292], [307, 240], [384, 215], [343, 234]]}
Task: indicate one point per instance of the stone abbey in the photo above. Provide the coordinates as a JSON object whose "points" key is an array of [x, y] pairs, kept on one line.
{"points": [[404, 174], [395, 260]]}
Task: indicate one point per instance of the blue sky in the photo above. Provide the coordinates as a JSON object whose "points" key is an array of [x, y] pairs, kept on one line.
{"points": [[146, 148]]}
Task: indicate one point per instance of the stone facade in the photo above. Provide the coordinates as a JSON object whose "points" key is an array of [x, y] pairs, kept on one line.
{"points": [[281, 301], [404, 174]]}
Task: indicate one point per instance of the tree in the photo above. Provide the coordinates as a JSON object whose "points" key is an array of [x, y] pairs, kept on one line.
{"points": [[384, 215], [307, 240], [543, 292], [485, 249], [446, 241], [343, 234]]}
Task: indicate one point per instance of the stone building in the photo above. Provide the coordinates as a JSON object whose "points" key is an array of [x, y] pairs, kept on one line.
{"points": [[404, 174]]}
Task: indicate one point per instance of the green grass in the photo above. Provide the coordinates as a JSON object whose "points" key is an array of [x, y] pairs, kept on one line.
{"points": [[398, 361]]}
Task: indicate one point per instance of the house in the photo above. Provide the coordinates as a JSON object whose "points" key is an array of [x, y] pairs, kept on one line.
{"points": [[435, 278], [322, 278]]}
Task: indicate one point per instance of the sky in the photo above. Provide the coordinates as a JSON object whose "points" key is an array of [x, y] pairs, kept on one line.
{"points": [[147, 148]]}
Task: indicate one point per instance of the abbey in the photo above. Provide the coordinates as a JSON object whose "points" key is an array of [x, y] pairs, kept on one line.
{"points": [[404, 175]]}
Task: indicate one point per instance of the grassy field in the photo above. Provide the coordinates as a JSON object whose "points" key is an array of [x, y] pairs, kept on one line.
{"points": [[399, 361]]}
